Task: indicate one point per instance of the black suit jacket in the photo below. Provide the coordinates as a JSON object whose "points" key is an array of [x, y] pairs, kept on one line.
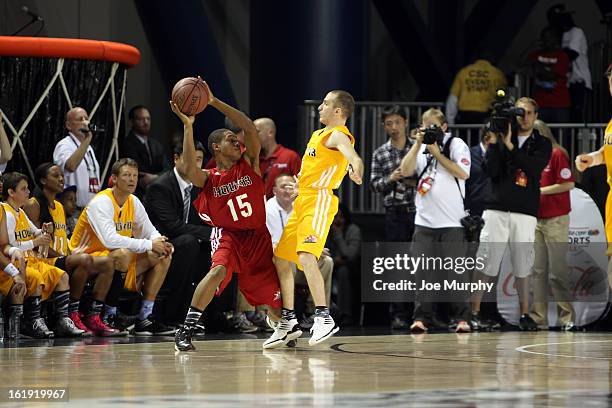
{"points": [[164, 204], [133, 148], [478, 185]]}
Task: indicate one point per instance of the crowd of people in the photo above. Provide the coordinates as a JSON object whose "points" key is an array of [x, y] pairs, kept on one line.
{"points": [[81, 250]]}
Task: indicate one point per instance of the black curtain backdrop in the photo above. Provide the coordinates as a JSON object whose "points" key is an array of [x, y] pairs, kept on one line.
{"points": [[22, 82]]}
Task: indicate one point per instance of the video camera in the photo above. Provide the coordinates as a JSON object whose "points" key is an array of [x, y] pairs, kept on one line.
{"points": [[504, 113]]}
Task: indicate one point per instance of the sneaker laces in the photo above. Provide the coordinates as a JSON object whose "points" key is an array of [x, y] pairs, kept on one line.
{"points": [[39, 323]]}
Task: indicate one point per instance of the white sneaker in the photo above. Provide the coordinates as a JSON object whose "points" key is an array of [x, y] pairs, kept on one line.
{"points": [[284, 331], [322, 329]]}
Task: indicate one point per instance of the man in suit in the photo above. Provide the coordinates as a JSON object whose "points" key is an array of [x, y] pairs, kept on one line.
{"points": [[168, 201], [147, 151]]}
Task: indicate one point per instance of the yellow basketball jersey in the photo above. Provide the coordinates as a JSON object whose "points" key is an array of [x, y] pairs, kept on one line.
{"points": [[61, 244], [23, 232], [84, 239], [322, 167]]}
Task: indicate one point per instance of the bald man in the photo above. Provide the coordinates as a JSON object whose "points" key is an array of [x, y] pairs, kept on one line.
{"points": [[77, 158], [274, 158]]}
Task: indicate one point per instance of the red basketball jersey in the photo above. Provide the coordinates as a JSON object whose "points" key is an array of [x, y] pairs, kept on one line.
{"points": [[233, 199]]}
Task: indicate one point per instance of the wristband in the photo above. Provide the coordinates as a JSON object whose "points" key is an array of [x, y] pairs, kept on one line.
{"points": [[11, 270]]}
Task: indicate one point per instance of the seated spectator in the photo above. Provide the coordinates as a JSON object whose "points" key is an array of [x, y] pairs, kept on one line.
{"points": [[43, 209], [116, 224], [24, 236], [274, 158], [77, 158], [168, 201], [551, 66], [344, 244], [148, 152], [278, 210], [67, 199]]}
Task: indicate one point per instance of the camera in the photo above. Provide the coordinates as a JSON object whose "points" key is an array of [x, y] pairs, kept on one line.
{"points": [[472, 225], [433, 134], [504, 113]]}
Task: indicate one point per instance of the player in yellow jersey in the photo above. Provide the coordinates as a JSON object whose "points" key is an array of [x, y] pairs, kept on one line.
{"points": [[329, 154], [603, 156], [25, 236], [14, 283], [115, 223], [43, 208]]}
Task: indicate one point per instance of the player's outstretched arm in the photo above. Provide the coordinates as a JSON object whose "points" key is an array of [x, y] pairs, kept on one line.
{"points": [[251, 139], [584, 161], [197, 176], [340, 141]]}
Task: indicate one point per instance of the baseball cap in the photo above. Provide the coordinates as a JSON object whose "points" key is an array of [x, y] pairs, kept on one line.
{"points": [[69, 188]]}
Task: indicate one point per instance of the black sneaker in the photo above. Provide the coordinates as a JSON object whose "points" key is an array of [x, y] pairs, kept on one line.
{"points": [[526, 323], [199, 331], [125, 322], [36, 329], [151, 327], [399, 324], [478, 323], [182, 339]]}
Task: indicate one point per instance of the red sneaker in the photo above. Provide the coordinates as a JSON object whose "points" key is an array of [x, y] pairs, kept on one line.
{"points": [[96, 325], [76, 318]]}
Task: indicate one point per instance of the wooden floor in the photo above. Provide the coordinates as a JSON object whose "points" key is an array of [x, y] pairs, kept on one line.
{"points": [[516, 369]]}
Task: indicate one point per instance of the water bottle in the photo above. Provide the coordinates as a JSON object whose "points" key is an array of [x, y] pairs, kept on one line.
{"points": [[13, 326], [1, 326]]}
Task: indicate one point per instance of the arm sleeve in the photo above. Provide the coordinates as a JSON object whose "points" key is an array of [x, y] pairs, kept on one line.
{"points": [[451, 109], [62, 153], [99, 215], [37, 231], [533, 165], [379, 182], [460, 154]]}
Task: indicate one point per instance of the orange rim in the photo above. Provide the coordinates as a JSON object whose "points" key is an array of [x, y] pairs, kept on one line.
{"points": [[69, 48]]}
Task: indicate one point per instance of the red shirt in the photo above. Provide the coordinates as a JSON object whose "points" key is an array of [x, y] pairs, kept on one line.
{"points": [[282, 160], [233, 199], [557, 171], [551, 93]]}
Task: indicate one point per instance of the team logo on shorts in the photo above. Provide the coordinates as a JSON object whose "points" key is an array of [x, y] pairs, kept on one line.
{"points": [[277, 296], [311, 239]]}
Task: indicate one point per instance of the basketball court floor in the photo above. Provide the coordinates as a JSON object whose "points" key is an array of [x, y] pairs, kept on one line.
{"points": [[539, 369]]}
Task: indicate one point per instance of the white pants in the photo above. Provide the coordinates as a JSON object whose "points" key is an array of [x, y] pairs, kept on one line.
{"points": [[504, 228]]}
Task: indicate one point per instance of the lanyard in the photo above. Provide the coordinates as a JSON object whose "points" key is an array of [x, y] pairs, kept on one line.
{"points": [[90, 170]]}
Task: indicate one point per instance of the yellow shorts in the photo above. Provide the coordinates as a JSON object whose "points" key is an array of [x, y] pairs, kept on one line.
{"points": [[32, 281], [46, 275], [130, 277], [308, 225]]}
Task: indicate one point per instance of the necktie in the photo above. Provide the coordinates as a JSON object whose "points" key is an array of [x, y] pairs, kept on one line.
{"points": [[186, 202]]}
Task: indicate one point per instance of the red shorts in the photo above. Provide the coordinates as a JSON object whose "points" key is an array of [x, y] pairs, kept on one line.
{"points": [[248, 254]]}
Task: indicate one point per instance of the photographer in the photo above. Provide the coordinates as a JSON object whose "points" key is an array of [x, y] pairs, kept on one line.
{"points": [[515, 163], [77, 158], [442, 164]]}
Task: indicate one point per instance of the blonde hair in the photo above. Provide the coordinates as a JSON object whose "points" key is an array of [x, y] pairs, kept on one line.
{"points": [[436, 114], [528, 100]]}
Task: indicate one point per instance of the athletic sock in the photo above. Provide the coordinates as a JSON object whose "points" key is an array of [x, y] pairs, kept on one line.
{"points": [[32, 307], [145, 309], [321, 311], [192, 318], [61, 303], [287, 314], [73, 307]]}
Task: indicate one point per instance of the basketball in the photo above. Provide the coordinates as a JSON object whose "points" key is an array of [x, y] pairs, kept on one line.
{"points": [[190, 96]]}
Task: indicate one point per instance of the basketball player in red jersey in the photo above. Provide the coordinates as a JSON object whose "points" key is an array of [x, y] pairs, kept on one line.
{"points": [[232, 200]]}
